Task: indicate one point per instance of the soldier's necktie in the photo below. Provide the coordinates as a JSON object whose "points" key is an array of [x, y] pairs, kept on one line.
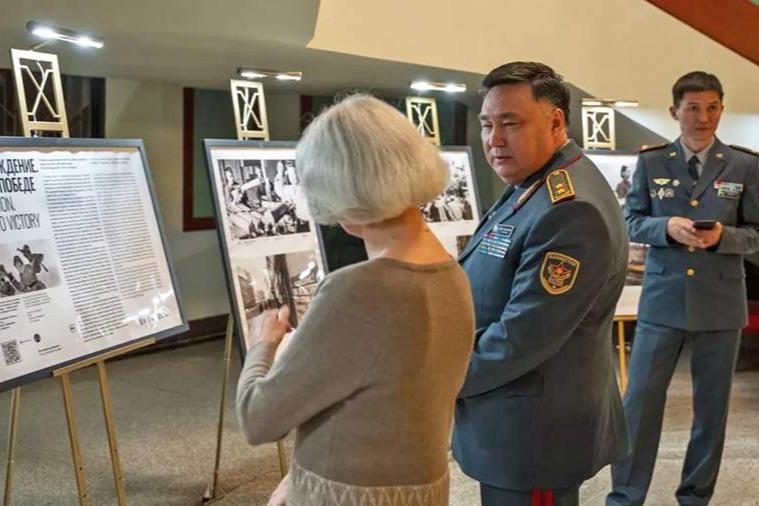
{"points": [[693, 168]]}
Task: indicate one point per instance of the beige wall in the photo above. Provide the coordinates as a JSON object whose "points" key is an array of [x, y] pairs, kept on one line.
{"points": [[612, 49], [152, 111]]}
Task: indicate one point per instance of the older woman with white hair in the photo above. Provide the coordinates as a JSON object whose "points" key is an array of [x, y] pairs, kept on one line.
{"points": [[370, 378]]}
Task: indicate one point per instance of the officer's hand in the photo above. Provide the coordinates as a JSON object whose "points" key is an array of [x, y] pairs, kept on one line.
{"points": [[709, 238], [682, 230]]}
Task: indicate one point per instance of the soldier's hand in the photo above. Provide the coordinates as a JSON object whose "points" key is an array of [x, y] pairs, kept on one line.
{"points": [[709, 238], [682, 230]]}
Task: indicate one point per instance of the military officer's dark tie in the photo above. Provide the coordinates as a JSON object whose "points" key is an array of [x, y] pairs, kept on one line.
{"points": [[693, 168]]}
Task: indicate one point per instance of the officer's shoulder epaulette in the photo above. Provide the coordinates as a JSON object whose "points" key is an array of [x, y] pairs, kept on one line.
{"points": [[745, 150], [652, 147], [559, 186]]}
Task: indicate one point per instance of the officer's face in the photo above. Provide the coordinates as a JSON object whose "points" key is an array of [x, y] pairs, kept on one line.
{"points": [[519, 133], [698, 114]]}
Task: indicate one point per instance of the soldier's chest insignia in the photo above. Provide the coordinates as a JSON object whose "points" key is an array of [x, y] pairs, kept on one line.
{"points": [[558, 272], [663, 193], [727, 190], [496, 243], [661, 181]]}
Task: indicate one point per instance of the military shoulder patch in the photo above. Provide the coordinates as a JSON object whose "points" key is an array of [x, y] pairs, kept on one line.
{"points": [[745, 150], [560, 186], [652, 147], [558, 272]]}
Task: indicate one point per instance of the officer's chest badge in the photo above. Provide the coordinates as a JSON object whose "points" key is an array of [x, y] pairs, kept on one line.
{"points": [[663, 193], [727, 190], [661, 181], [496, 243], [558, 272]]}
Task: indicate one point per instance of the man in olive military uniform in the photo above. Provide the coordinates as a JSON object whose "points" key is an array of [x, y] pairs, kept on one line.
{"points": [[695, 202], [540, 410]]}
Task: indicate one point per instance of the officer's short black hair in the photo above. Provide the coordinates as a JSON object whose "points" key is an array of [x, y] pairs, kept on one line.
{"points": [[696, 81], [545, 83]]}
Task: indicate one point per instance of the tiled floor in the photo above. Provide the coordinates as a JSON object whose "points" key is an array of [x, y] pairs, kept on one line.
{"points": [[166, 410]]}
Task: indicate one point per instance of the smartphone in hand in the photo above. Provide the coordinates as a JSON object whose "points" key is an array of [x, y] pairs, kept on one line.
{"points": [[704, 224]]}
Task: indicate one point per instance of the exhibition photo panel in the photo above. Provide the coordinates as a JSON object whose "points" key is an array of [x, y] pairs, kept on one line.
{"points": [[454, 214], [618, 169], [269, 242], [84, 267]]}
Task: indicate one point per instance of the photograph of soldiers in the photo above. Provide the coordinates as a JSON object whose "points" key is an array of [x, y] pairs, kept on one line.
{"points": [[273, 281], [23, 270], [455, 204], [260, 198]]}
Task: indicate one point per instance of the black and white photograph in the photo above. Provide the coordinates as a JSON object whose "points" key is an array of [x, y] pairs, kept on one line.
{"points": [[455, 203], [261, 198], [27, 268], [268, 282], [618, 170]]}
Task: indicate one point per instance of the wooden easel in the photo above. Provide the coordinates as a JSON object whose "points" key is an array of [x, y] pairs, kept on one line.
{"points": [[30, 125], [251, 123]]}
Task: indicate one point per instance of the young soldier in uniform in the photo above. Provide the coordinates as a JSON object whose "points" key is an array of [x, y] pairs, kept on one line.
{"points": [[694, 201], [540, 410]]}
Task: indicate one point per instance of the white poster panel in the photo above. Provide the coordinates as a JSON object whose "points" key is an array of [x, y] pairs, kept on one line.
{"points": [[270, 244], [618, 170], [83, 265], [453, 216]]}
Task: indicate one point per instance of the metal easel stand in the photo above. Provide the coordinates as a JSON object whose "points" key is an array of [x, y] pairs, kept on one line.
{"points": [[211, 493], [12, 428], [105, 396]]}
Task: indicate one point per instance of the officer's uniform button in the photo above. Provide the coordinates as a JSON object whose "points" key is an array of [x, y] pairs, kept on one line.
{"points": [[691, 249], [690, 272], [694, 203]]}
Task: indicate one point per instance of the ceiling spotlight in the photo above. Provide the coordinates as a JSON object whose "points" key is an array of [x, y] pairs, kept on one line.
{"points": [[260, 74], [447, 87], [250, 74], [626, 103], [609, 102], [52, 33], [289, 76]]}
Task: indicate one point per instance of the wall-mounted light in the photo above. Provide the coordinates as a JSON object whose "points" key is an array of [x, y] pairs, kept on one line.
{"points": [[51, 33], [609, 102], [260, 74], [447, 87]]}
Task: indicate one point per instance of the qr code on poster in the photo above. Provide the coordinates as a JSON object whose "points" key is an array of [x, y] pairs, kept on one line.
{"points": [[10, 352]]}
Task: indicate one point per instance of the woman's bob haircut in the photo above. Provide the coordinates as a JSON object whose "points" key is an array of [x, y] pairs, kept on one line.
{"points": [[362, 162]]}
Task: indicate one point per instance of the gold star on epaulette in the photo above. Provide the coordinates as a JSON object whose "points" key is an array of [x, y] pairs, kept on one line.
{"points": [[745, 150], [651, 147], [560, 186]]}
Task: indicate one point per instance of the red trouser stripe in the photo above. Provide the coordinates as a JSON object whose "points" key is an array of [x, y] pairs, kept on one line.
{"points": [[548, 498], [536, 498]]}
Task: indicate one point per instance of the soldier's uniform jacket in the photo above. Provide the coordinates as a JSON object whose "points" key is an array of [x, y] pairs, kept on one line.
{"points": [[540, 407], [690, 288]]}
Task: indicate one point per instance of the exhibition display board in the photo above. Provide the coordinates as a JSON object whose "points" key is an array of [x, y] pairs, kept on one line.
{"points": [[618, 169], [269, 242], [84, 266], [454, 215]]}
